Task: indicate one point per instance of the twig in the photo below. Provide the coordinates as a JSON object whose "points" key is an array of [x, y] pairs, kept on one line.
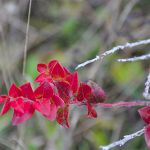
{"points": [[125, 104], [125, 139], [113, 50], [143, 57], [87, 62], [146, 92], [26, 39]]}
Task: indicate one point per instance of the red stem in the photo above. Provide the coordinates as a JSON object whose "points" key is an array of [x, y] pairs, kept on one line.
{"points": [[125, 104]]}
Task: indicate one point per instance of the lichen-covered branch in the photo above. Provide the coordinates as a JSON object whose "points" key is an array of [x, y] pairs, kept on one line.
{"points": [[146, 92], [143, 57], [125, 139], [113, 50], [87, 62]]}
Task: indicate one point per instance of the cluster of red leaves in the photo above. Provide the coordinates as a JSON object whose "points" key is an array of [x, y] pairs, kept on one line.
{"points": [[145, 115], [57, 89]]}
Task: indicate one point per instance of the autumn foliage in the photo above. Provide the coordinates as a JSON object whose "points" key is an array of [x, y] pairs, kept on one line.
{"points": [[57, 89]]}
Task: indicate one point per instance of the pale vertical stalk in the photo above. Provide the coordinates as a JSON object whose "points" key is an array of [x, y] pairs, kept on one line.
{"points": [[26, 38], [21, 129], [2, 59]]}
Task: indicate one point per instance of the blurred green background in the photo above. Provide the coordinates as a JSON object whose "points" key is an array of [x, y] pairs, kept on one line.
{"points": [[73, 31]]}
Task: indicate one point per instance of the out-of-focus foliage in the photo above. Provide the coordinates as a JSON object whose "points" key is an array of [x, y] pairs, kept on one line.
{"points": [[124, 73], [73, 31]]}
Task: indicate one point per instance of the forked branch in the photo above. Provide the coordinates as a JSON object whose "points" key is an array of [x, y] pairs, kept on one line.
{"points": [[113, 50]]}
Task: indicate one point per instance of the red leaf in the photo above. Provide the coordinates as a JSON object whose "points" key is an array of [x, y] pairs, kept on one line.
{"points": [[46, 108], [58, 101], [3, 98], [52, 64], [42, 78], [42, 106], [41, 68], [52, 114], [19, 117], [56, 70], [64, 90], [145, 114], [147, 136], [98, 95], [27, 91], [91, 111], [84, 92], [62, 116], [5, 108], [14, 91], [73, 81], [17, 104], [44, 90], [67, 72]]}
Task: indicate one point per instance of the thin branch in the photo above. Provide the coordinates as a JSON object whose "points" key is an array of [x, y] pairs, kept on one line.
{"points": [[125, 104], [87, 62], [127, 45], [125, 139], [120, 104], [143, 57], [26, 39], [146, 92], [113, 50]]}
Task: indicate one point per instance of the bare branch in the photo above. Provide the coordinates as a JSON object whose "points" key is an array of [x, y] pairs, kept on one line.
{"points": [[125, 139], [87, 62], [27, 36], [127, 45], [146, 92], [113, 50], [143, 57]]}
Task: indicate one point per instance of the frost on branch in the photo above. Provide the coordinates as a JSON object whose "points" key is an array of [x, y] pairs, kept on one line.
{"points": [[136, 58], [146, 92], [113, 50], [125, 139], [87, 62]]}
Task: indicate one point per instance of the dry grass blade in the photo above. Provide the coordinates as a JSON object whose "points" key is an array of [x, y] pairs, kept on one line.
{"points": [[26, 39]]}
